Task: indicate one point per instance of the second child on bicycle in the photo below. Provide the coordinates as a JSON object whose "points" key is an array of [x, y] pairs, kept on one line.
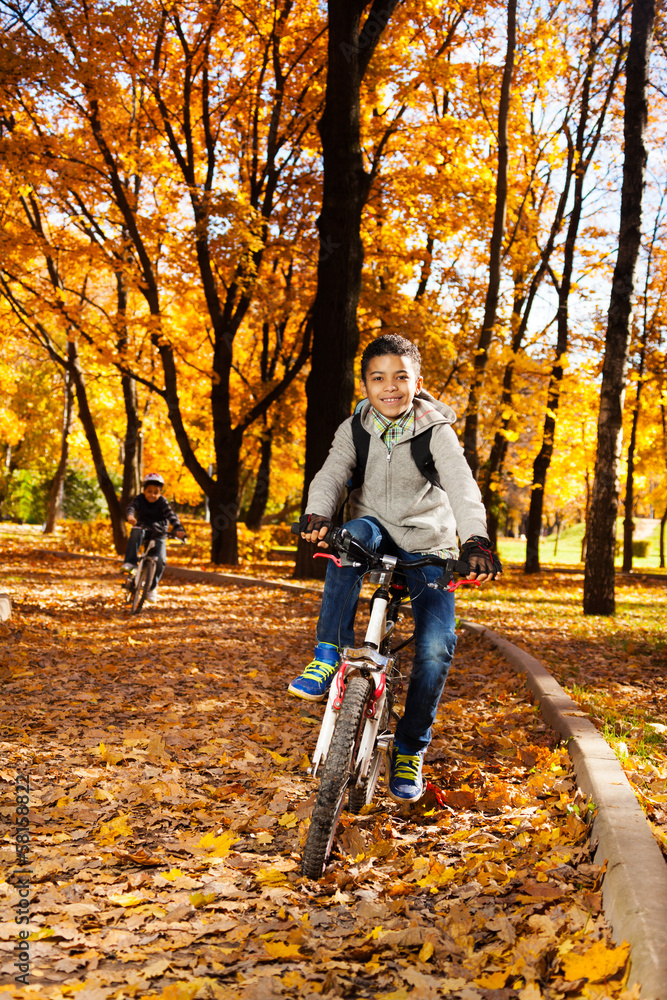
{"points": [[150, 513], [398, 511]]}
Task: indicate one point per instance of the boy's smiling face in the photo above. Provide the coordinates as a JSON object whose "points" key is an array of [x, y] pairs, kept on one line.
{"points": [[152, 492], [391, 384]]}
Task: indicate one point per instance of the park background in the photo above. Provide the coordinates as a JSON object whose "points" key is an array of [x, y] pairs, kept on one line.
{"points": [[171, 296], [208, 209]]}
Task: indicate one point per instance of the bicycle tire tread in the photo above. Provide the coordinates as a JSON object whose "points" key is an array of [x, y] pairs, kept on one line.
{"points": [[137, 594], [331, 793], [143, 585]]}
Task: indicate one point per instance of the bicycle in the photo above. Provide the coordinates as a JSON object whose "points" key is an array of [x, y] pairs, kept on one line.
{"points": [[139, 583], [355, 735]]}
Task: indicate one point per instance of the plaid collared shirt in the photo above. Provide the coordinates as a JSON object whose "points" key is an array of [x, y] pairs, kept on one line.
{"points": [[391, 431]]}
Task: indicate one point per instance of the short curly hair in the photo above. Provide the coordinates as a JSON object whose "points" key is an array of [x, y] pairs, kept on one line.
{"points": [[391, 343]]}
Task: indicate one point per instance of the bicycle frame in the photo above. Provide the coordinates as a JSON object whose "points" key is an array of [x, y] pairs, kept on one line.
{"points": [[136, 581], [370, 662], [361, 697]]}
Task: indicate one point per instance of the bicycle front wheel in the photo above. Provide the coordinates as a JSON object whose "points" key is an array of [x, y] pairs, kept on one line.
{"points": [[336, 777], [143, 582]]}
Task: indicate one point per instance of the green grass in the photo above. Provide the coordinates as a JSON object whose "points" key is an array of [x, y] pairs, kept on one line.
{"points": [[566, 550], [626, 729]]}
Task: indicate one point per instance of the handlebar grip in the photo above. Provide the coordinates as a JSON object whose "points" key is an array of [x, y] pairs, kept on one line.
{"points": [[294, 528]]}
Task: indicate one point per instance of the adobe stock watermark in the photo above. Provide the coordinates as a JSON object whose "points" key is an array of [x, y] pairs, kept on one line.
{"points": [[224, 518], [375, 24], [327, 249], [21, 878]]}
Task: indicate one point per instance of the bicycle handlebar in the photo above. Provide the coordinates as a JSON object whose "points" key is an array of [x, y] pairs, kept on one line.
{"points": [[342, 542], [168, 534]]}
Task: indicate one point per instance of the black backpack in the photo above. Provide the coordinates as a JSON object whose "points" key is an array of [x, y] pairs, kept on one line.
{"points": [[420, 446]]}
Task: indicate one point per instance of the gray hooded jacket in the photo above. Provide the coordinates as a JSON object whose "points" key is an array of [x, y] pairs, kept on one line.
{"points": [[418, 516]]}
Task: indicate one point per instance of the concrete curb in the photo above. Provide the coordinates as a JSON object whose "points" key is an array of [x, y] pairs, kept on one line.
{"points": [[5, 607], [634, 888]]}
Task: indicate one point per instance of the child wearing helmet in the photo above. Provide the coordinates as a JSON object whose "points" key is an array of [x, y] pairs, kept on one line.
{"points": [[150, 513]]}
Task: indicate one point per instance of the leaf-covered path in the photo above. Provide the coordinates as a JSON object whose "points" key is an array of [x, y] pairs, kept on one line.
{"points": [[169, 797]]}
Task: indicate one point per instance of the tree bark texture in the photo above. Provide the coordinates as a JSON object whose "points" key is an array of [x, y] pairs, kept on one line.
{"points": [[545, 454], [260, 495], [346, 186], [132, 471], [500, 443], [628, 522], [496, 251], [54, 507], [103, 478], [580, 160], [521, 311], [599, 577]]}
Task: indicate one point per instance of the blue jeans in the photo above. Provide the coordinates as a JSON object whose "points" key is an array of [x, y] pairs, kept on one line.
{"points": [[435, 639], [159, 550]]}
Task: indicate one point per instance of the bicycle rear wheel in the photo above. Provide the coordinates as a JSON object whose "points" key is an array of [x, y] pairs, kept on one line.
{"points": [[143, 582], [336, 777]]}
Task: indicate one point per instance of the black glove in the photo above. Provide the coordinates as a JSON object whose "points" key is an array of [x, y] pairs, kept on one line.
{"points": [[477, 553], [313, 522]]}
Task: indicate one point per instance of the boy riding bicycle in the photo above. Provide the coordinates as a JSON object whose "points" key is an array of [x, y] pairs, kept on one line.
{"points": [[153, 513], [403, 511]]}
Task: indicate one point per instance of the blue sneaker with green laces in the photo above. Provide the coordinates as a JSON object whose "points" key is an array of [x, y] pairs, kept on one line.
{"points": [[405, 779], [314, 683]]}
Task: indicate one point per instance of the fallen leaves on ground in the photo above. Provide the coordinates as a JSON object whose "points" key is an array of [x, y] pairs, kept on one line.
{"points": [[169, 799], [614, 667]]}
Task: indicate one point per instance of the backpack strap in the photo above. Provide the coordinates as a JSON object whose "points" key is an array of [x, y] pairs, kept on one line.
{"points": [[420, 445], [362, 440]]}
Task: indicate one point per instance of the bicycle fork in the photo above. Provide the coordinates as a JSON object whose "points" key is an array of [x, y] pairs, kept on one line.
{"points": [[370, 664]]}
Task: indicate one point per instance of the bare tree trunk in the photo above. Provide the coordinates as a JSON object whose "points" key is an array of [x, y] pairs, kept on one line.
{"points": [[663, 522], [261, 493], [584, 537], [346, 186], [599, 577], [522, 308], [103, 477], [58, 485], [496, 248], [499, 449], [628, 523], [584, 150], [131, 443]]}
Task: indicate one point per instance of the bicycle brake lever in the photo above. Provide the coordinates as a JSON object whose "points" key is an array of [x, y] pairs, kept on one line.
{"points": [[451, 585], [340, 561], [328, 555]]}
